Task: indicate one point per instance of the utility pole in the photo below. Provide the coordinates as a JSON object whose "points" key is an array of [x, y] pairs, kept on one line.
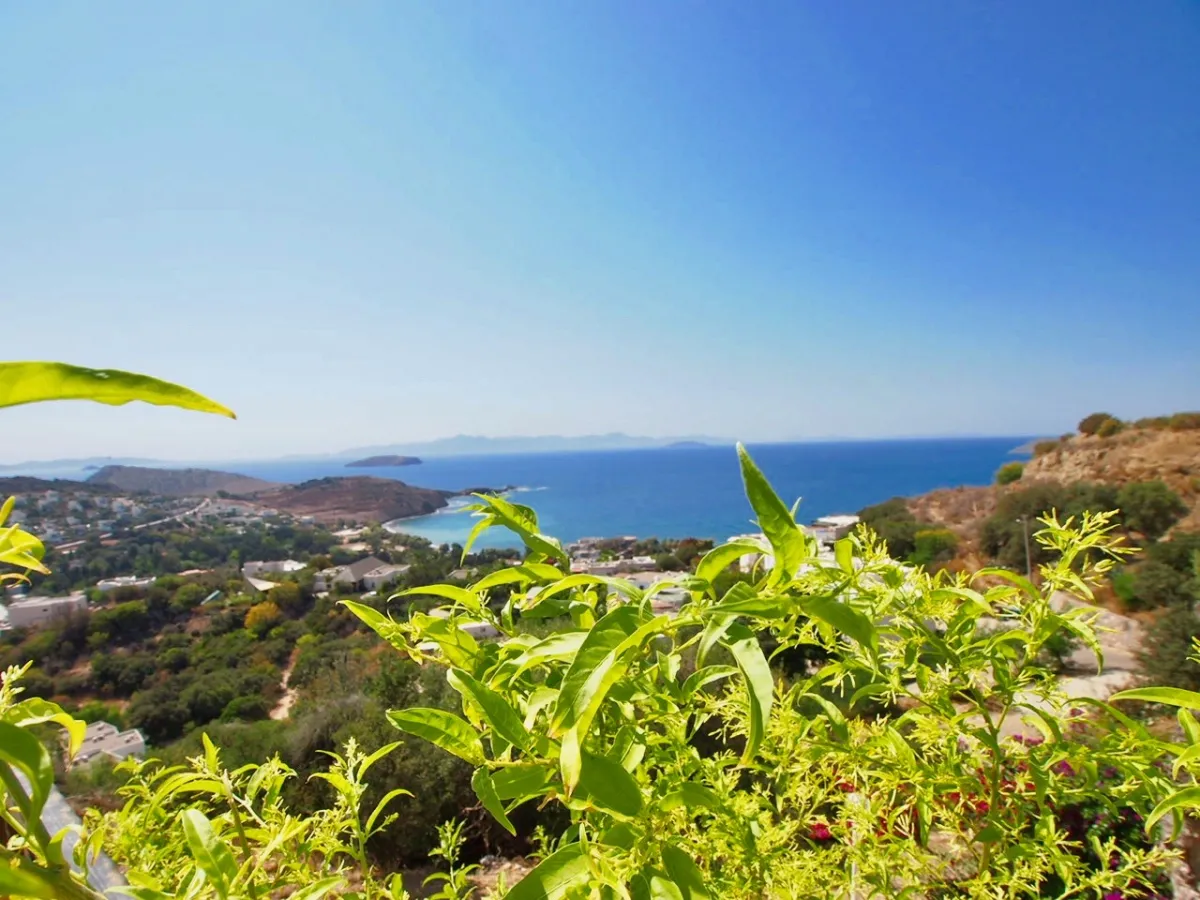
{"points": [[1024, 520]]}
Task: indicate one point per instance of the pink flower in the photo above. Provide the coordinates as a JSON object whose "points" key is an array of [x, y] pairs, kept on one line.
{"points": [[819, 831]]}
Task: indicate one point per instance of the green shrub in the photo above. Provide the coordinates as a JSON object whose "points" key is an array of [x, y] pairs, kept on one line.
{"points": [[1150, 507], [933, 545], [1109, 427], [1093, 423], [895, 524], [1041, 448], [1184, 421], [1010, 472]]}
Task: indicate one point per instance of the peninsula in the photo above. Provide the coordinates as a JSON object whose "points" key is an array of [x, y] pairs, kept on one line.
{"points": [[380, 462]]}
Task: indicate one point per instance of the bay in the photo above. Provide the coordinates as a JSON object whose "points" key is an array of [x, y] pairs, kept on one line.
{"points": [[675, 492]]}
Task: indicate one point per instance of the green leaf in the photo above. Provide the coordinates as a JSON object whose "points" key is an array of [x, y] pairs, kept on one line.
{"points": [[20, 749], [626, 588], [787, 540], [209, 851], [843, 552], [1167, 695], [705, 676], [714, 630], [485, 790], [451, 592], [570, 760], [842, 618], [602, 659], [836, 720], [685, 873], [20, 878], [760, 686], [522, 521], [563, 645], [718, 559], [36, 711], [439, 727], [34, 382], [525, 574], [607, 786], [1189, 725], [371, 617], [744, 600], [522, 780], [561, 871], [496, 710], [382, 805], [1187, 798], [990, 834], [691, 796]]}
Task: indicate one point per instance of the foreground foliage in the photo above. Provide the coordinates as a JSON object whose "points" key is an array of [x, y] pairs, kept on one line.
{"points": [[688, 770]]}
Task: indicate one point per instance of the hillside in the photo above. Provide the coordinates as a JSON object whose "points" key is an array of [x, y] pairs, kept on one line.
{"points": [[1133, 455], [362, 498], [177, 482]]}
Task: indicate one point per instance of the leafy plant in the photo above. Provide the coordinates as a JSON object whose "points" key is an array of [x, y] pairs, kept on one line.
{"points": [[800, 796]]}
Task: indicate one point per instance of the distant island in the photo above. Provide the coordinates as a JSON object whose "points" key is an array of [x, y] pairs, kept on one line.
{"points": [[686, 445], [378, 462]]}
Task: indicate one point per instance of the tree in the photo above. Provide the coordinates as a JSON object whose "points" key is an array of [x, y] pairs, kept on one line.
{"points": [[1091, 424], [1150, 507], [262, 617], [1010, 472], [1110, 427], [1165, 653], [287, 597], [931, 545]]}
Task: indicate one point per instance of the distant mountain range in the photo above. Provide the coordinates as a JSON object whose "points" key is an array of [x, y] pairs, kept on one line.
{"points": [[478, 445]]}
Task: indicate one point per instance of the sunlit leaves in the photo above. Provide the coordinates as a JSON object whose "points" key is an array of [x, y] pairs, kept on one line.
{"points": [[34, 382]]}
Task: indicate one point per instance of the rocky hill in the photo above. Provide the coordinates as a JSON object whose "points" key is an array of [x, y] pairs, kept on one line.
{"points": [[360, 498], [1134, 454], [177, 482]]}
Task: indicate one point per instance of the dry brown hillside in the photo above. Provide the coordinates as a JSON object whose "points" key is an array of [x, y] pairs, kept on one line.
{"points": [[1136, 454]]}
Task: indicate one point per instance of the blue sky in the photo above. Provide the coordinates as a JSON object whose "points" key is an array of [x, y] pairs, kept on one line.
{"points": [[374, 222]]}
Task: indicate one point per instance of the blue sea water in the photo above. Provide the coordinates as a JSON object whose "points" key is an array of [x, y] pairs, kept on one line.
{"points": [[676, 492]]}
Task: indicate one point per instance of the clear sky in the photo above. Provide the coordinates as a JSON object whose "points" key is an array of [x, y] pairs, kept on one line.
{"points": [[359, 223]]}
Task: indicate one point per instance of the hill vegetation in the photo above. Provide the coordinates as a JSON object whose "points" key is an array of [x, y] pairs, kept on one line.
{"points": [[177, 482], [361, 498]]}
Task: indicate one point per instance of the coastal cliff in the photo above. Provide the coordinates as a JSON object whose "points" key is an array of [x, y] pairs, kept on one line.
{"points": [[360, 498]]}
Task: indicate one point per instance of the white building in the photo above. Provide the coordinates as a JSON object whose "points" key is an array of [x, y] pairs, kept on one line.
{"points": [[384, 575], [273, 567], [109, 584], [105, 739], [841, 525], [34, 611]]}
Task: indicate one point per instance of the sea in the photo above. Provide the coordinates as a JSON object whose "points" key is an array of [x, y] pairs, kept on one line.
{"points": [[673, 492]]}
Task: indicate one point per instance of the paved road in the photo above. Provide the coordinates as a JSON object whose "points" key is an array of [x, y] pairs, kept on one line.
{"points": [[175, 518], [57, 815]]}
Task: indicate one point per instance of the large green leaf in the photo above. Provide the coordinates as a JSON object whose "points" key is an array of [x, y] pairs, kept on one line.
{"points": [[1187, 798], [760, 686], [843, 618], [718, 559], [36, 711], [209, 851], [787, 540], [705, 676], [21, 750], [744, 600], [560, 872], [496, 710], [522, 780], [34, 382], [685, 873], [450, 592], [523, 521], [485, 790], [318, 889], [1168, 695], [445, 729], [606, 785], [603, 658], [21, 878]]}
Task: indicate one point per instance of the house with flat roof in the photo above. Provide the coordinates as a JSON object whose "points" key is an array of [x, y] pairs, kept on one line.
{"points": [[272, 567], [105, 739], [32, 612]]}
